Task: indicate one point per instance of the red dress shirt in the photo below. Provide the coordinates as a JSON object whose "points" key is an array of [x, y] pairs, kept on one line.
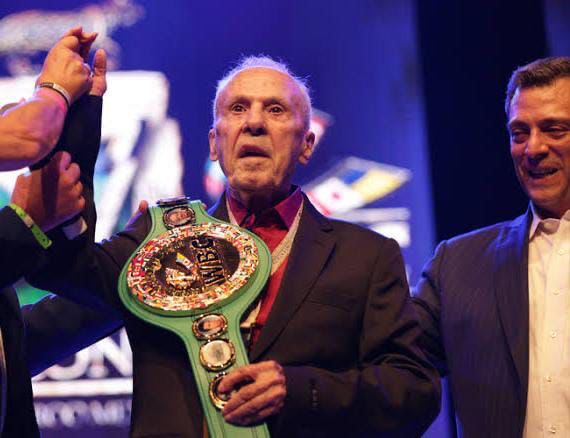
{"points": [[271, 226]]}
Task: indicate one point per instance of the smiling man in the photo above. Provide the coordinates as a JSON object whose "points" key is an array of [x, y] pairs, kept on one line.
{"points": [[333, 339], [495, 303], [539, 127]]}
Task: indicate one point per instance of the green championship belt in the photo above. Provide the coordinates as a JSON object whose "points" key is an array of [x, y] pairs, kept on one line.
{"points": [[196, 276]]}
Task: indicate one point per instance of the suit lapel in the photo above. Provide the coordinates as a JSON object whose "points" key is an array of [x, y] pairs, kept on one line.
{"points": [[312, 247], [313, 243], [511, 290]]}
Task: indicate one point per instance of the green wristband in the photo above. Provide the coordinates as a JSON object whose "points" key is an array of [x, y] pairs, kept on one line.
{"points": [[40, 236]]}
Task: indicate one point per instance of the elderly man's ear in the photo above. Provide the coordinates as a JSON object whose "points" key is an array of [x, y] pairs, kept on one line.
{"points": [[212, 143], [307, 148]]}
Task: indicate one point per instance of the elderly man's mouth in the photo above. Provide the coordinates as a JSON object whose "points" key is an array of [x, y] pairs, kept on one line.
{"points": [[247, 151]]}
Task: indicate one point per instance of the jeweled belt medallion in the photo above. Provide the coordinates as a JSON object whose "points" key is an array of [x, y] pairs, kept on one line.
{"points": [[192, 267]]}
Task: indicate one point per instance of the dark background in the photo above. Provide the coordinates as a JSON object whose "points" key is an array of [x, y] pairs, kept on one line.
{"points": [[468, 51]]}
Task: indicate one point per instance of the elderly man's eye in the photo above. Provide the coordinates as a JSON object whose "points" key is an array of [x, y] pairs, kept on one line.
{"points": [[276, 109], [237, 108]]}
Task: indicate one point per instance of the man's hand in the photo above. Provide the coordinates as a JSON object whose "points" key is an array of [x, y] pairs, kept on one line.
{"points": [[86, 39], [51, 195], [99, 80], [261, 392], [65, 63], [99, 69]]}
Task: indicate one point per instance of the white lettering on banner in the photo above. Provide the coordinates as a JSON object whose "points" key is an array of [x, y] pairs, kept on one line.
{"points": [[84, 387], [105, 368], [80, 413], [118, 355]]}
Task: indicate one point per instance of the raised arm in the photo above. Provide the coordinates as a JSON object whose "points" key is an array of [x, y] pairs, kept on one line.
{"points": [[30, 129]]}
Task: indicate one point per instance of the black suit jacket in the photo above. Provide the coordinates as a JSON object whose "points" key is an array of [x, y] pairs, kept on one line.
{"points": [[342, 326], [473, 306], [38, 336], [18, 247]]}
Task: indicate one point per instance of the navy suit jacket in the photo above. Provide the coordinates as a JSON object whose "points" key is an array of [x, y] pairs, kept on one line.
{"points": [[472, 301]]}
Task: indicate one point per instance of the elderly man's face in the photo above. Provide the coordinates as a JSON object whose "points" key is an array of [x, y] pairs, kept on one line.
{"points": [[259, 133], [539, 129]]}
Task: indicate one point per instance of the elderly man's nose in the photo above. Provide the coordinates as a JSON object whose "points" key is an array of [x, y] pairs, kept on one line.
{"points": [[254, 123]]}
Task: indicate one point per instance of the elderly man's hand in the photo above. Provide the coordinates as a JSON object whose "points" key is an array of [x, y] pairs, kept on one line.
{"points": [[65, 63], [51, 195], [260, 392]]}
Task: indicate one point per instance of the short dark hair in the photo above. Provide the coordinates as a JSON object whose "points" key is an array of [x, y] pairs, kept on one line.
{"points": [[537, 74]]}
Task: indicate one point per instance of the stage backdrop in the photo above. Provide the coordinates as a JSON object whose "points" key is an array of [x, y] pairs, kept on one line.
{"points": [[370, 166]]}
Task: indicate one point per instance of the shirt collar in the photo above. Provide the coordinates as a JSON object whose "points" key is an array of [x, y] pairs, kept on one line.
{"points": [[286, 209], [537, 219]]}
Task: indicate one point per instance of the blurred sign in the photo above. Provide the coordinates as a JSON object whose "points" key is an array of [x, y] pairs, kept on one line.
{"points": [[26, 36]]}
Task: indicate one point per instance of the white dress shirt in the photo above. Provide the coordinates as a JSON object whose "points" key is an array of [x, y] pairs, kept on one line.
{"points": [[548, 404]]}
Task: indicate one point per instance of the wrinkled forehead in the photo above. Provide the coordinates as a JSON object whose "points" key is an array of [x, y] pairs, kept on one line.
{"points": [[262, 83]]}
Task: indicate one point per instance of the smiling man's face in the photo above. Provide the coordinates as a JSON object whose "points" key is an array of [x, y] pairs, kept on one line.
{"points": [[539, 130], [260, 133]]}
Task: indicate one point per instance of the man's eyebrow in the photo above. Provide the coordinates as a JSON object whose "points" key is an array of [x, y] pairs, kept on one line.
{"points": [[514, 123], [271, 100], [554, 120], [237, 99], [544, 122]]}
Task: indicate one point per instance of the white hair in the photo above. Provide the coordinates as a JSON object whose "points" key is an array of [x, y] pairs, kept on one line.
{"points": [[263, 61]]}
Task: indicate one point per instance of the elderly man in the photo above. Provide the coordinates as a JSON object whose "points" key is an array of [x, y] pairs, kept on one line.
{"points": [[333, 339], [494, 303], [36, 336]]}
